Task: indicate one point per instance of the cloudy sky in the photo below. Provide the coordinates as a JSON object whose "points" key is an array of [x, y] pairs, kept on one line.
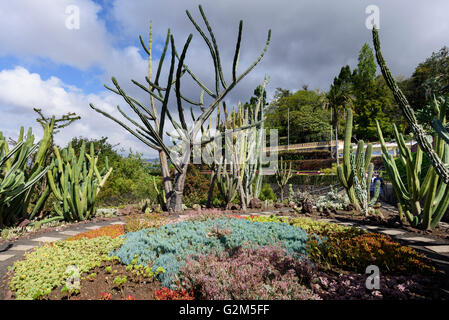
{"points": [[46, 61]]}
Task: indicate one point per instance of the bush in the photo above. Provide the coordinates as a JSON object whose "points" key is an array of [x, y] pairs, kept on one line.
{"points": [[129, 182], [137, 222], [196, 187], [356, 253], [333, 200], [249, 274], [304, 155], [307, 179], [109, 231], [267, 193], [168, 294], [168, 246], [312, 165], [45, 268]]}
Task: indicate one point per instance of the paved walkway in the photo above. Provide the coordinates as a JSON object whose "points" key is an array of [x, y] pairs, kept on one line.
{"points": [[436, 250]]}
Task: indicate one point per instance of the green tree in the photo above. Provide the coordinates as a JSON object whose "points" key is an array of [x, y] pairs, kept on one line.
{"points": [[373, 101], [309, 122], [430, 77]]}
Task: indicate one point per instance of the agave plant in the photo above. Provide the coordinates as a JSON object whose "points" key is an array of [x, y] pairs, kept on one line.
{"points": [[20, 169]]}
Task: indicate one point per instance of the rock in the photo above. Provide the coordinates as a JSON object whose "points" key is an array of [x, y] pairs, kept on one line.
{"points": [[24, 223], [291, 204], [307, 206], [255, 203]]}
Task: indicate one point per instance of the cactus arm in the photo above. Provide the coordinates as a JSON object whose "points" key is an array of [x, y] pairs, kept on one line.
{"points": [[441, 169]]}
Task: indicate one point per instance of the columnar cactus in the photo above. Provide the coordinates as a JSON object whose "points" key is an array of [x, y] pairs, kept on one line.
{"points": [[409, 190], [362, 180], [18, 176], [356, 171], [76, 183], [237, 166], [283, 175], [441, 166]]}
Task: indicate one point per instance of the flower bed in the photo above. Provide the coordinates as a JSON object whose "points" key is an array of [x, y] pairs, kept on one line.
{"points": [[113, 231], [217, 257]]}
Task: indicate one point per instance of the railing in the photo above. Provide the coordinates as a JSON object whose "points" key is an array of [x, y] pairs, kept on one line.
{"points": [[377, 149]]}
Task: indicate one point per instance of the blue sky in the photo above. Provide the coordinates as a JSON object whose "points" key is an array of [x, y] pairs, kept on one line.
{"points": [[43, 64]]}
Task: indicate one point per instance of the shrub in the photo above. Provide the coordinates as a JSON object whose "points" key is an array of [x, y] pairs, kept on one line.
{"points": [[325, 229], [108, 231], [196, 187], [304, 155], [356, 253], [307, 179], [137, 222], [168, 246], [130, 181], [45, 268], [312, 165], [250, 273], [168, 294], [267, 193], [333, 200]]}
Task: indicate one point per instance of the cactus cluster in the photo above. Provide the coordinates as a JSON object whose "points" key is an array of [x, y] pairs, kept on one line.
{"points": [[357, 170], [424, 203], [237, 166], [18, 174], [76, 182]]}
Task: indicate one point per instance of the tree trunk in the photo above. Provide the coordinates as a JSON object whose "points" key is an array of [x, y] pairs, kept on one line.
{"points": [[165, 172]]}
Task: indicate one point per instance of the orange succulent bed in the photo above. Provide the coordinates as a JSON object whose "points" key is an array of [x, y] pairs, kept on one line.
{"points": [[108, 231]]}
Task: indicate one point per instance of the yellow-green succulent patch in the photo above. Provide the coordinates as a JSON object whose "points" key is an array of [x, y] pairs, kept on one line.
{"points": [[46, 267]]}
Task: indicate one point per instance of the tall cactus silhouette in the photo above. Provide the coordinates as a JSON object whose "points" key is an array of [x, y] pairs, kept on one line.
{"points": [[152, 134], [441, 167]]}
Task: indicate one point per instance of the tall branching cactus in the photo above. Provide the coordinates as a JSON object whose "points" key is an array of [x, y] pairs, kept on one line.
{"points": [[150, 130], [422, 204], [441, 166], [20, 169], [283, 175], [356, 171], [76, 183]]}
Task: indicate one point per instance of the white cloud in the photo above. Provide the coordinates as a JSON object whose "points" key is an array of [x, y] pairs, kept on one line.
{"points": [[22, 90]]}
